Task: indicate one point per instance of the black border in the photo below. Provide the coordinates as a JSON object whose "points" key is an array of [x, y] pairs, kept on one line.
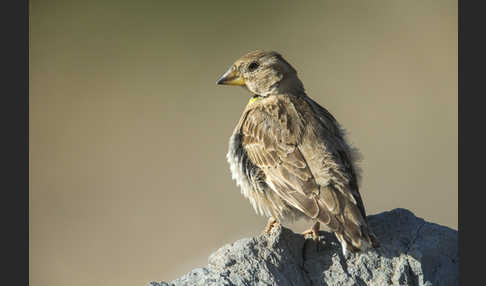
{"points": [[471, 49], [15, 139]]}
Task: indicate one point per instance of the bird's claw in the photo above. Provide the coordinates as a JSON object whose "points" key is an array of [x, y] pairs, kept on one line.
{"points": [[270, 224], [314, 231]]}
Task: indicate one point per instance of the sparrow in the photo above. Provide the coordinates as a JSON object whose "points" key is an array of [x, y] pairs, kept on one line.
{"points": [[289, 155]]}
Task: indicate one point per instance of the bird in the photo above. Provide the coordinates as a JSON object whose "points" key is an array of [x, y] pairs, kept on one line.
{"points": [[289, 155]]}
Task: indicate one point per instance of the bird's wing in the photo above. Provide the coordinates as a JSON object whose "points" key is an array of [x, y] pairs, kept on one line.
{"points": [[331, 161], [339, 153], [270, 136]]}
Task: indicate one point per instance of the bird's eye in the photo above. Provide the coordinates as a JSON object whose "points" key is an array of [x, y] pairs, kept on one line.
{"points": [[253, 66]]}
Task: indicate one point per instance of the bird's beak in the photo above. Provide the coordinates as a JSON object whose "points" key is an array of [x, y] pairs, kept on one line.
{"points": [[231, 77]]}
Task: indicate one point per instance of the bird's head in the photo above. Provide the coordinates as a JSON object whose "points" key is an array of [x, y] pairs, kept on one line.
{"points": [[263, 73]]}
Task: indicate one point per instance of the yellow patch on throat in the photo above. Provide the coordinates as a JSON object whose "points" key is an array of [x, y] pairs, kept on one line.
{"points": [[255, 98]]}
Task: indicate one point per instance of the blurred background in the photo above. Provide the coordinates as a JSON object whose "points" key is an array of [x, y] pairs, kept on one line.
{"points": [[129, 132]]}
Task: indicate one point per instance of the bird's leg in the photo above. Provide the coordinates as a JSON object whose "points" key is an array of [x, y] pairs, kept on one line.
{"points": [[314, 230], [271, 222]]}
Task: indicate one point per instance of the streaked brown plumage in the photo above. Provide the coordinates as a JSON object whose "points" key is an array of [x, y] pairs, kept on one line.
{"points": [[289, 156]]}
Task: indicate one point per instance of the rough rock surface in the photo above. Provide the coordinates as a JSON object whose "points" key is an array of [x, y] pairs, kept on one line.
{"points": [[412, 252]]}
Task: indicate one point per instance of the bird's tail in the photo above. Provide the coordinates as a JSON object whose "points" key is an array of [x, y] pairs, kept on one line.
{"points": [[344, 215], [355, 243]]}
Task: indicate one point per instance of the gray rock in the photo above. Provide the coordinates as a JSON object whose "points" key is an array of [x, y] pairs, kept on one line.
{"points": [[412, 252]]}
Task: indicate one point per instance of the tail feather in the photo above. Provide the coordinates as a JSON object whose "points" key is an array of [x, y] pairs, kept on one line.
{"points": [[347, 221]]}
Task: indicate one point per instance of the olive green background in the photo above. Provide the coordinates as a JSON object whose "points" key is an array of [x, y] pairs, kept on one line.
{"points": [[129, 132]]}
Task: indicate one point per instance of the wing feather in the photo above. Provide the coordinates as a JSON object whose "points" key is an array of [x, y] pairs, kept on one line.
{"points": [[272, 147]]}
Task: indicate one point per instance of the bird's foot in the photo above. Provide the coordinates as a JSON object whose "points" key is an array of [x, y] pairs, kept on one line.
{"points": [[272, 221], [314, 231]]}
